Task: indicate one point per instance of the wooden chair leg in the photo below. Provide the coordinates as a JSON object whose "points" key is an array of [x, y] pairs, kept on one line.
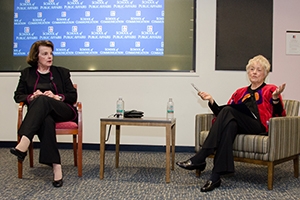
{"points": [[75, 149], [296, 166], [270, 175], [198, 173], [20, 169], [30, 150], [20, 164], [79, 155]]}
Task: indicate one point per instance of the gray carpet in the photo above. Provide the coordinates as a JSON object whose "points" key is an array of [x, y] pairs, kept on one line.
{"points": [[141, 175]]}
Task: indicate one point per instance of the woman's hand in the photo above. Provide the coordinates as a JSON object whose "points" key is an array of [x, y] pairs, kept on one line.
{"points": [[35, 94], [47, 93], [206, 96], [278, 91], [51, 95]]}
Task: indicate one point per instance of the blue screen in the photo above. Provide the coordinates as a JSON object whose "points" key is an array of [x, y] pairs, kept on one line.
{"points": [[91, 27]]}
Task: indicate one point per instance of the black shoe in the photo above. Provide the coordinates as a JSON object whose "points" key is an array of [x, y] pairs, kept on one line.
{"points": [[58, 183], [21, 155], [209, 185], [190, 166]]}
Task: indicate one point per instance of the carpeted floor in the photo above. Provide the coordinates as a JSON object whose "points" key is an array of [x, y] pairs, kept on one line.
{"points": [[141, 175]]}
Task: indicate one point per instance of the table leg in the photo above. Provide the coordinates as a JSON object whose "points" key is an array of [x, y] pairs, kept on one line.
{"points": [[102, 148], [173, 145], [168, 138], [117, 145]]}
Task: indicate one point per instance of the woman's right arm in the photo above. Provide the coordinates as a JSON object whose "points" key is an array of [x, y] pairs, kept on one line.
{"points": [[206, 96], [211, 102], [21, 93]]}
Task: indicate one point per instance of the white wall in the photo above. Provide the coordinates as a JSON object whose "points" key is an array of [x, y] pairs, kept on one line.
{"points": [[286, 67], [149, 92]]}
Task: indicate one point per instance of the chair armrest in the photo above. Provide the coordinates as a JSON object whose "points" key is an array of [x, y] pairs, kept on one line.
{"points": [[203, 122], [78, 105], [284, 136], [20, 114], [79, 109]]}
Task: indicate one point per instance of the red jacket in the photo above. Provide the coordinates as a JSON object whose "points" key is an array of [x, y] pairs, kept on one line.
{"points": [[264, 102]]}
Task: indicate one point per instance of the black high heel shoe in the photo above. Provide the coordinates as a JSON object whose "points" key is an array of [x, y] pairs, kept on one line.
{"points": [[58, 183], [209, 185], [190, 166], [21, 155]]}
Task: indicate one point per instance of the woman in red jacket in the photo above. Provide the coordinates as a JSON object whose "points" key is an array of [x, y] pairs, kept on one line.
{"points": [[248, 111]]}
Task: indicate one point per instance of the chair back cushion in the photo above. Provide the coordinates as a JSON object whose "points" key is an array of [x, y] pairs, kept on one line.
{"points": [[291, 107]]}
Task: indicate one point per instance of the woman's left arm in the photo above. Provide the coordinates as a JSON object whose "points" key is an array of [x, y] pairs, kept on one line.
{"points": [[278, 109], [69, 93], [278, 91]]}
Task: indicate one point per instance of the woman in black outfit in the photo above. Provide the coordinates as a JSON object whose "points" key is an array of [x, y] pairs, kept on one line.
{"points": [[49, 94], [261, 100]]}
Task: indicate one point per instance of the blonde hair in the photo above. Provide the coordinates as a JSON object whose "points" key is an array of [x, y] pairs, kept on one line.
{"points": [[33, 56], [260, 60]]}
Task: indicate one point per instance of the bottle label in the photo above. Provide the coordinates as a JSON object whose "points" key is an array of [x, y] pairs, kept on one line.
{"points": [[120, 109], [170, 109]]}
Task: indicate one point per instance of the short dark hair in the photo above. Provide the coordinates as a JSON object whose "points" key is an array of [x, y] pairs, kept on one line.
{"points": [[32, 58]]}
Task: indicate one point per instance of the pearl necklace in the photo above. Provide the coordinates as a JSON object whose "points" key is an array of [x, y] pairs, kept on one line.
{"points": [[44, 72]]}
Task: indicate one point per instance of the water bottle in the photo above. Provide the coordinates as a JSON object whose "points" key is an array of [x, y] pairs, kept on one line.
{"points": [[120, 108], [170, 109]]}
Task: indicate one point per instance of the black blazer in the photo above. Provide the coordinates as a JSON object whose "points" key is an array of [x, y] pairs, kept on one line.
{"points": [[59, 77]]}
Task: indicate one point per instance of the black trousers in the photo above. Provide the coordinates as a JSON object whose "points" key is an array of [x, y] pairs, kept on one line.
{"points": [[221, 136], [43, 112]]}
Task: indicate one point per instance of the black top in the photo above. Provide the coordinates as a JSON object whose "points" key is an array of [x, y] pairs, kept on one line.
{"points": [[58, 79]]}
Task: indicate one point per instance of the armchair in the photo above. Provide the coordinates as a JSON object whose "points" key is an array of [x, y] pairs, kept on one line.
{"points": [[280, 145], [62, 128]]}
